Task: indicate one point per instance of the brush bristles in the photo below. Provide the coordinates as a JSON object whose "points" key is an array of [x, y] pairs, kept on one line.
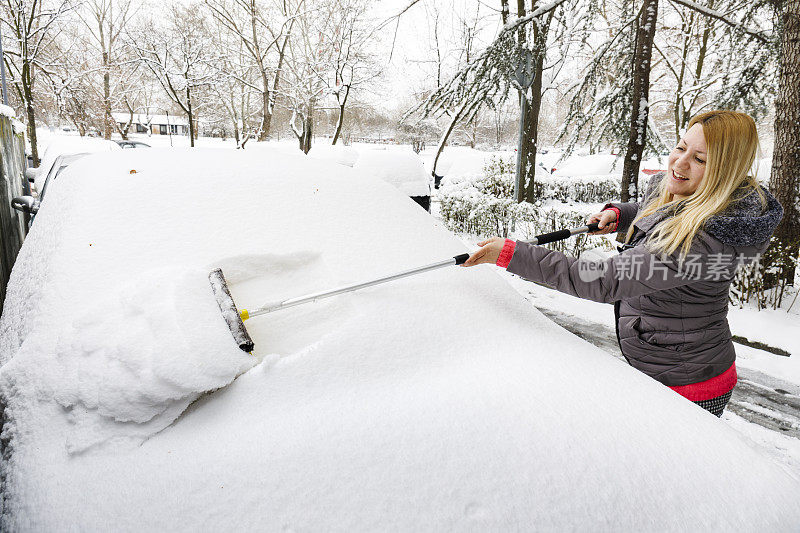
{"points": [[229, 311]]}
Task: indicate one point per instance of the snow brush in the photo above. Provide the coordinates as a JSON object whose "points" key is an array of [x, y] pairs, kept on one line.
{"points": [[235, 318]]}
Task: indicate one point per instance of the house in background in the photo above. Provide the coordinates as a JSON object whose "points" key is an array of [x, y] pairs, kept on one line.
{"points": [[153, 124]]}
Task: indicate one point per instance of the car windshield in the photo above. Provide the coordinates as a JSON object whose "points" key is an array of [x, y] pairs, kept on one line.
{"points": [[60, 164]]}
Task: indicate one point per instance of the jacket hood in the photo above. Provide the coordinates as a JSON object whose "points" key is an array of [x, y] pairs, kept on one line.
{"points": [[742, 223]]}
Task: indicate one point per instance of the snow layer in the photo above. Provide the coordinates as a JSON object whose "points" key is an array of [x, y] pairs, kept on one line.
{"points": [[402, 169], [439, 402], [7, 111]]}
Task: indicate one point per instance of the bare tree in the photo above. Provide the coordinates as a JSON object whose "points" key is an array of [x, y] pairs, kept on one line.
{"points": [[352, 60], [235, 96], [178, 57], [34, 24], [455, 111], [105, 22], [264, 32], [307, 60], [74, 98]]}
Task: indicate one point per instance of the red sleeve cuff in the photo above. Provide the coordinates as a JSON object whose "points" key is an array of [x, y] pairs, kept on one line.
{"points": [[506, 253], [616, 210]]}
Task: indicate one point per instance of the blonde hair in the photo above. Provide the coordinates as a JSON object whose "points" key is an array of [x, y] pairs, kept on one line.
{"points": [[732, 143]]}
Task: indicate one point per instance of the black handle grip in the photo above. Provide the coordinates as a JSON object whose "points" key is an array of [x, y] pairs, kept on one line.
{"points": [[461, 259], [553, 236], [562, 234]]}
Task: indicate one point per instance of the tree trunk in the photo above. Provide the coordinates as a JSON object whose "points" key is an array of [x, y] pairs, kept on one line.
{"points": [[308, 127], [679, 110], [235, 121], [191, 116], [531, 107], [785, 179], [266, 114], [123, 131], [530, 133], [340, 121], [107, 118], [641, 88], [27, 88], [443, 141]]}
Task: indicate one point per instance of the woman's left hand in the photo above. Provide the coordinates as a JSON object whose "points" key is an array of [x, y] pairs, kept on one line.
{"points": [[489, 252]]}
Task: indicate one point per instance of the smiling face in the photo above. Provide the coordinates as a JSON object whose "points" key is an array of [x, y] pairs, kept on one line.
{"points": [[687, 163]]}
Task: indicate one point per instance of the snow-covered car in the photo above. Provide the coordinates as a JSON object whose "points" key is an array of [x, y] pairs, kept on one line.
{"points": [[459, 162], [401, 168], [127, 145], [439, 402], [589, 165]]}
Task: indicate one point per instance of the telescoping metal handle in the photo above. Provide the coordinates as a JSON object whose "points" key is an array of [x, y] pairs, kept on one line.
{"points": [[455, 260]]}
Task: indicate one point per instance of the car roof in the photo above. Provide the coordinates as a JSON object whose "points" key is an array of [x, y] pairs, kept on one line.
{"points": [[70, 144], [443, 401]]}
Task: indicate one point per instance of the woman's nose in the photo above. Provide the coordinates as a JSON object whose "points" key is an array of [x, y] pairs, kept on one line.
{"points": [[683, 160]]}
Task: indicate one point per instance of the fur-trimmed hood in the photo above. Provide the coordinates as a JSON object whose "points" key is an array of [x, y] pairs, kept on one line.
{"points": [[744, 222]]}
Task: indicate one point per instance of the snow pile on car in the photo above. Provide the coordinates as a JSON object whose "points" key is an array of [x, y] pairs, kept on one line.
{"points": [[129, 365], [439, 402], [403, 169], [343, 155]]}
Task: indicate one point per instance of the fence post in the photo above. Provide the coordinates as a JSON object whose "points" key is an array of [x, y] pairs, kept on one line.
{"points": [[12, 224]]}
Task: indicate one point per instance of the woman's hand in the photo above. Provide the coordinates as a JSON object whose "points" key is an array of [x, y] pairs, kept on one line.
{"points": [[605, 221], [489, 252]]}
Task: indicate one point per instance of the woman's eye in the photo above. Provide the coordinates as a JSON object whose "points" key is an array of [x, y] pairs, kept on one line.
{"points": [[700, 161], [680, 148]]}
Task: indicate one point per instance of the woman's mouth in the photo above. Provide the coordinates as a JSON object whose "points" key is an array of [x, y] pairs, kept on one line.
{"points": [[679, 177]]}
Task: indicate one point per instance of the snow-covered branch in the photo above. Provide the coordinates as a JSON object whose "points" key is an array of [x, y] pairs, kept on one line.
{"points": [[707, 11]]}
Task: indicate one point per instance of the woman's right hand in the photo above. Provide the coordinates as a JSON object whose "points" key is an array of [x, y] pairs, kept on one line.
{"points": [[606, 221]]}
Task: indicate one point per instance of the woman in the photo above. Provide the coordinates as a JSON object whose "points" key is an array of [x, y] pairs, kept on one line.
{"points": [[698, 221]]}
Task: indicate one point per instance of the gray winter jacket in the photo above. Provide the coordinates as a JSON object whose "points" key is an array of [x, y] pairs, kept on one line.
{"points": [[671, 317]]}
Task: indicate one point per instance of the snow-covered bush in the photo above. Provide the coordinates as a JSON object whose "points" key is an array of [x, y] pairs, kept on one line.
{"points": [[583, 189], [484, 205], [763, 283]]}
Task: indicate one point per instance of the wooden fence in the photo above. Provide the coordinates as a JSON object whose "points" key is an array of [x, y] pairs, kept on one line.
{"points": [[13, 226]]}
